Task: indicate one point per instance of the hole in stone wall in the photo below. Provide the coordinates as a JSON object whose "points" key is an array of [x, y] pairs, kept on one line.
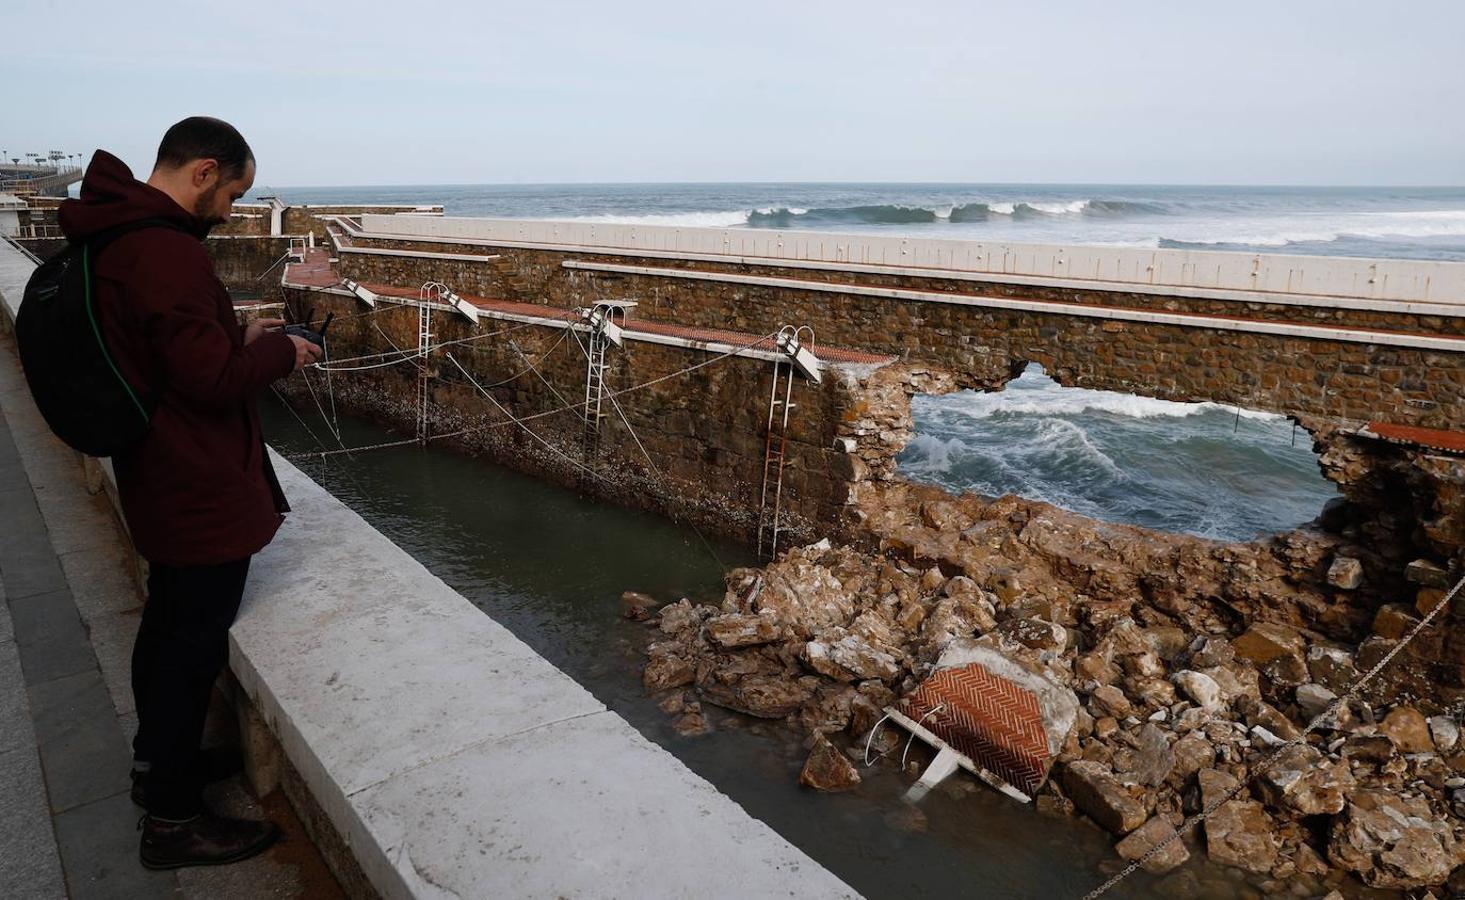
{"points": [[1181, 467]]}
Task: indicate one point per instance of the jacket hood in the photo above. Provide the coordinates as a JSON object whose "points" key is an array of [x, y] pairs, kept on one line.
{"points": [[110, 196]]}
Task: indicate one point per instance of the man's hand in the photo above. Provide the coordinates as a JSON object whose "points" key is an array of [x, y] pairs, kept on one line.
{"points": [[305, 352], [258, 327]]}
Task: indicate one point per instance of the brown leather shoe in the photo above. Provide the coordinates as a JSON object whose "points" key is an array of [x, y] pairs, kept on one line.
{"points": [[204, 840]]}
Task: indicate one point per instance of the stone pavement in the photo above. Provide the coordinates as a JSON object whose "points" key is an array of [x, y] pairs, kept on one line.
{"points": [[71, 608]]}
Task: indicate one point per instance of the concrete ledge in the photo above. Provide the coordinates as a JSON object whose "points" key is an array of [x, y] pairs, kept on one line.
{"points": [[454, 758]]}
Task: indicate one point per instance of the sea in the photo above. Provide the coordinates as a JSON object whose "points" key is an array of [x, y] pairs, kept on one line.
{"points": [[1217, 472]]}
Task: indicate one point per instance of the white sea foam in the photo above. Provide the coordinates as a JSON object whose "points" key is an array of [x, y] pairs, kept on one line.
{"points": [[1002, 209], [720, 219], [1059, 209], [1054, 400]]}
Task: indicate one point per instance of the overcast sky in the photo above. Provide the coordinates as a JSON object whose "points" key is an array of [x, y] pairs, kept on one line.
{"points": [[423, 92]]}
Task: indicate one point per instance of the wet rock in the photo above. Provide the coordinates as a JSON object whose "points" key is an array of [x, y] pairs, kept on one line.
{"points": [[1446, 733], [1313, 700], [830, 710], [1108, 700], [1035, 634], [1408, 729], [1345, 573], [1153, 758], [1394, 842], [1426, 600], [740, 630], [855, 655], [637, 606], [815, 655], [1300, 780], [1427, 574], [679, 617], [1394, 620], [1213, 651], [764, 696], [827, 769], [691, 724], [1261, 713], [1201, 688], [1276, 649], [1192, 753], [1331, 667], [1371, 748], [1239, 833], [1098, 794], [665, 671], [1149, 835]]}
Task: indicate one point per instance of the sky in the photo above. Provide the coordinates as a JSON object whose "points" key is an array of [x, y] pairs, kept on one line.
{"points": [[1025, 91]]}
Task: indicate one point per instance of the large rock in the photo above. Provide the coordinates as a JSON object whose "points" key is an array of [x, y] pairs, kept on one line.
{"points": [[855, 655], [768, 696], [1301, 781], [1394, 842], [1346, 573], [1239, 833], [1331, 667], [1201, 688], [1409, 730], [666, 670], [1150, 835], [740, 630], [1277, 650], [1153, 758], [827, 769], [1098, 794]]}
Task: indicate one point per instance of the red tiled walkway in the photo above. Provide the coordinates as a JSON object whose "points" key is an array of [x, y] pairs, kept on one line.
{"points": [[316, 272]]}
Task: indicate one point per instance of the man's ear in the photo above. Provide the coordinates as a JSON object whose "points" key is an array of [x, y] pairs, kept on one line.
{"points": [[205, 171]]}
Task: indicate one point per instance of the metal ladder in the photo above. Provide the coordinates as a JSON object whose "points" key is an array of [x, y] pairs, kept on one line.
{"points": [[775, 450], [594, 393], [432, 291]]}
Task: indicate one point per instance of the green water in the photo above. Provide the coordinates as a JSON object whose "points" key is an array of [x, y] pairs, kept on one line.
{"points": [[551, 566]]}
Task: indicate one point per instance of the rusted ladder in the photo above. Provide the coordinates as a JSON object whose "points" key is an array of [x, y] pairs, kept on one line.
{"points": [[432, 292], [775, 453]]}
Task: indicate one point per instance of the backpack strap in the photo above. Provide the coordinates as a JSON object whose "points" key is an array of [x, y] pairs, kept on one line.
{"points": [[90, 248]]}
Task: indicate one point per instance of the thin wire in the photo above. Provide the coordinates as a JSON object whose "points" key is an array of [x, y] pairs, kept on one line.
{"points": [[1257, 770], [651, 464]]}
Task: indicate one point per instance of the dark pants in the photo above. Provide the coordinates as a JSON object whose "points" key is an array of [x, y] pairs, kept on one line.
{"points": [[182, 645]]}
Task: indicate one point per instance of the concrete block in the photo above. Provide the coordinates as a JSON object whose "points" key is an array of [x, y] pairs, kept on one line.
{"points": [[81, 746], [53, 644], [29, 864], [572, 809], [98, 844], [15, 711]]}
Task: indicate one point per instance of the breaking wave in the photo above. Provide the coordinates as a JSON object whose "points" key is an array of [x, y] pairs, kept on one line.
{"points": [[1052, 400]]}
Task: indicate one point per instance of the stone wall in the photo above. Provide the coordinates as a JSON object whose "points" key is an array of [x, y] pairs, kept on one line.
{"points": [[704, 431], [240, 261], [985, 347]]}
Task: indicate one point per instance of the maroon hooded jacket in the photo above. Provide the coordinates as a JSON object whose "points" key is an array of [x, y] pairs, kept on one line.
{"points": [[199, 488]]}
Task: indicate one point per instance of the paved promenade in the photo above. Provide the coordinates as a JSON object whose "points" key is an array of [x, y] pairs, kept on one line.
{"points": [[71, 608]]}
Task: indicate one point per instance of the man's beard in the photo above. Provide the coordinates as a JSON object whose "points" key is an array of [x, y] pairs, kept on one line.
{"points": [[203, 204]]}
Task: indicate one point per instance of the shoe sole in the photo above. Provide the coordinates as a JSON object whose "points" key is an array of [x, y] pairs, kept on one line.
{"points": [[241, 856]]}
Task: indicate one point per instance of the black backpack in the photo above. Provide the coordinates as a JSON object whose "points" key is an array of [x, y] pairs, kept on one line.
{"points": [[73, 375]]}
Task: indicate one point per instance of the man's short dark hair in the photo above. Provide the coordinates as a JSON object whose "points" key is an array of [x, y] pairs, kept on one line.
{"points": [[204, 137]]}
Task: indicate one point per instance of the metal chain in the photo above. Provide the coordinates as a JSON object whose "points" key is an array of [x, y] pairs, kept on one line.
{"points": [[1257, 770]]}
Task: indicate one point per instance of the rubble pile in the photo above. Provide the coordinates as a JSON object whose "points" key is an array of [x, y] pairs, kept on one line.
{"points": [[1192, 661]]}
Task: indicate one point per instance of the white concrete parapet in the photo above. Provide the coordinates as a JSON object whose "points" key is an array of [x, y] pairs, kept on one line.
{"points": [[1111, 268]]}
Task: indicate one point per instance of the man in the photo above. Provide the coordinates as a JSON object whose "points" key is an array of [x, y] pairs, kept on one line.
{"points": [[198, 492]]}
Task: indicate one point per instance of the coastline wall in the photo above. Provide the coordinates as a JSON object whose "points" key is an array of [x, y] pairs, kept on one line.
{"points": [[1394, 357]]}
